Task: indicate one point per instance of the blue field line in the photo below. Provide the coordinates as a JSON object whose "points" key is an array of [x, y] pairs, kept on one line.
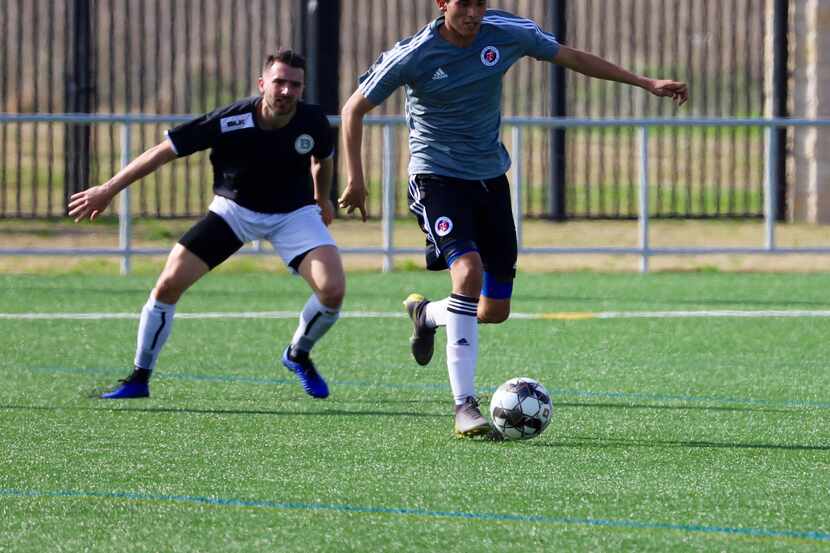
{"points": [[812, 535], [556, 393]]}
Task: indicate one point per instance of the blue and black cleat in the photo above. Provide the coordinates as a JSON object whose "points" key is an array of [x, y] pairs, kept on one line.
{"points": [[301, 365], [134, 386]]}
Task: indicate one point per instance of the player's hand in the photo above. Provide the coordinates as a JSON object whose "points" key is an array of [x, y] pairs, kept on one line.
{"points": [[89, 203], [326, 210], [675, 90], [354, 197]]}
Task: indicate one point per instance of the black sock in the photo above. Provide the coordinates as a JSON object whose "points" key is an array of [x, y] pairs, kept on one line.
{"points": [[140, 375], [296, 354]]}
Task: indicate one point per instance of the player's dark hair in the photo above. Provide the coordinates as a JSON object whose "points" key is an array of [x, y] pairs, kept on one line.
{"points": [[286, 56]]}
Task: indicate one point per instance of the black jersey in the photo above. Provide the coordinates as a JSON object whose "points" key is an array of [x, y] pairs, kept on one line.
{"points": [[263, 170]]}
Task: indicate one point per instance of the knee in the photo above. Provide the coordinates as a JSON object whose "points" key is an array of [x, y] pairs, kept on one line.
{"points": [[168, 290], [332, 293], [492, 316], [467, 275]]}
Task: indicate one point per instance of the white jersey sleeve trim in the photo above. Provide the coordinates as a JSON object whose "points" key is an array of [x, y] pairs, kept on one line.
{"points": [[392, 57], [170, 140], [502, 21]]}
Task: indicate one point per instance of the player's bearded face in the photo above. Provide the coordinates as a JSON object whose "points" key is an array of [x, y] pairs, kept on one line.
{"points": [[281, 88]]}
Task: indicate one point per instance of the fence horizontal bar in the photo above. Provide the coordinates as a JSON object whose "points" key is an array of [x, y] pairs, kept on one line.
{"points": [[570, 122], [164, 251], [645, 250], [545, 122], [611, 250]]}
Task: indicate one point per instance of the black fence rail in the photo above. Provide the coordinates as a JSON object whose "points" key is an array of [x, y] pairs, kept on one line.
{"points": [[189, 56]]}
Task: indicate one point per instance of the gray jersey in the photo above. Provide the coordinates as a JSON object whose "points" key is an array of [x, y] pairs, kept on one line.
{"points": [[453, 94]]}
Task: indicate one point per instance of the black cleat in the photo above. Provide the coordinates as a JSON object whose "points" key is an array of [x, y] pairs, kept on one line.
{"points": [[422, 341]]}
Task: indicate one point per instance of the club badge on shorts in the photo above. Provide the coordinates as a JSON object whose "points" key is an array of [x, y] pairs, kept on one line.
{"points": [[490, 56], [304, 144], [443, 226]]}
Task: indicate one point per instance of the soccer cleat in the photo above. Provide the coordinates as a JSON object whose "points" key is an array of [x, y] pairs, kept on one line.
{"points": [[134, 386], [301, 365], [469, 421], [422, 341]]}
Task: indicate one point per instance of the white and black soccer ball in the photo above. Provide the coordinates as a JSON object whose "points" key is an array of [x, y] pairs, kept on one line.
{"points": [[521, 409]]}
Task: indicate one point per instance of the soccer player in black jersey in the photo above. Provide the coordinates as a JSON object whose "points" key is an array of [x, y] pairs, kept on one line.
{"points": [[273, 167]]}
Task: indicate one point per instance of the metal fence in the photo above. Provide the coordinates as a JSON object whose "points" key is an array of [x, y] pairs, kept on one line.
{"points": [[155, 56], [522, 127]]}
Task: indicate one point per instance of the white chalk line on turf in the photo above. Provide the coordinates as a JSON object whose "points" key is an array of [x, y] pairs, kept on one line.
{"points": [[552, 316]]}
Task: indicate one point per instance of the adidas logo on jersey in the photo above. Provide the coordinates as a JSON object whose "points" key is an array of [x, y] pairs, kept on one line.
{"points": [[440, 74]]}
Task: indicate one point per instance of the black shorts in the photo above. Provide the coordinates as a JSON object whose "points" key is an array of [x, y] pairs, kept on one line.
{"points": [[212, 240], [459, 216]]}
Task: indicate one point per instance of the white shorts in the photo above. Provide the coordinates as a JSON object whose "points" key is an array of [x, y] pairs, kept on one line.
{"points": [[291, 234]]}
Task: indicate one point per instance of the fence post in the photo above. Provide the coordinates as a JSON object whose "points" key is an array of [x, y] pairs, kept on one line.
{"points": [[388, 217], [780, 78], [319, 42], [79, 92], [558, 108], [124, 211], [770, 180], [643, 216], [518, 176]]}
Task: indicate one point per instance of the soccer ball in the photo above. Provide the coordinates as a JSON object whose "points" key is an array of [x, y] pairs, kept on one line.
{"points": [[521, 409]]}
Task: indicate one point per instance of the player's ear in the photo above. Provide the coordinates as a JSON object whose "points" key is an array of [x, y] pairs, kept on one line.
{"points": [[260, 84]]}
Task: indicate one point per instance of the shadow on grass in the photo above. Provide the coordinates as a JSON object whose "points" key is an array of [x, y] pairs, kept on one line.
{"points": [[196, 411]]}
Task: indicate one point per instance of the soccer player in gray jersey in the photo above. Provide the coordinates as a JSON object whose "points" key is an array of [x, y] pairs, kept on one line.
{"points": [[272, 158], [452, 74]]}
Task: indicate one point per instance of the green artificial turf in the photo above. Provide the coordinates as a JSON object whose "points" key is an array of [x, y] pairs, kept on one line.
{"points": [[669, 434]]}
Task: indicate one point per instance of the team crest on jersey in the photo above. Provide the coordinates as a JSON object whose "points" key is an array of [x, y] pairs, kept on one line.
{"points": [[443, 226], [304, 144], [490, 56]]}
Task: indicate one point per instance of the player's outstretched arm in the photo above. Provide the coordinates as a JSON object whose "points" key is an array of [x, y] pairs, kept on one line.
{"points": [[354, 196], [322, 173], [595, 66], [93, 201]]}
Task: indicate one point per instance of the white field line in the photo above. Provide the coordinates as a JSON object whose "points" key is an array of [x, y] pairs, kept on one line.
{"points": [[564, 316]]}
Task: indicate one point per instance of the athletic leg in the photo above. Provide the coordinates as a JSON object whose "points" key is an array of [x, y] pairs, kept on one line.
{"points": [[496, 238], [306, 245], [445, 208], [492, 310], [436, 203], [462, 343], [204, 246], [182, 269], [322, 269]]}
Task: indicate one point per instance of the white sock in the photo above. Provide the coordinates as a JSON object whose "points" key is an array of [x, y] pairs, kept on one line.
{"points": [[153, 329], [462, 345], [315, 320], [436, 313]]}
